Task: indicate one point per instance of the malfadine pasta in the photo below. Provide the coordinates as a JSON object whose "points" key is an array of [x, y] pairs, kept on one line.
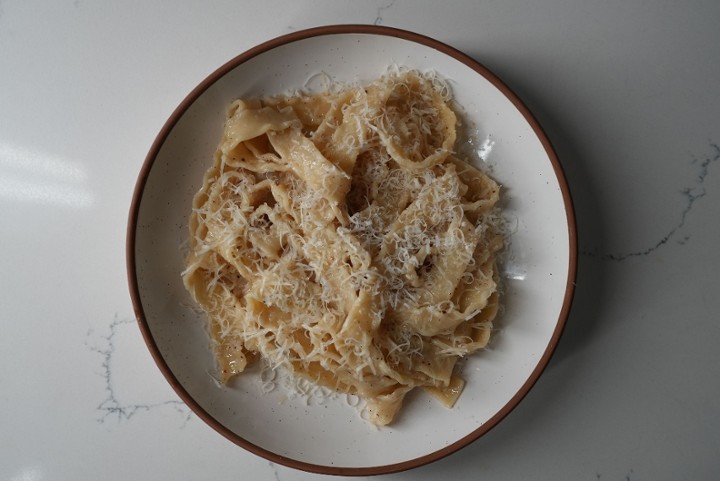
{"points": [[337, 236]]}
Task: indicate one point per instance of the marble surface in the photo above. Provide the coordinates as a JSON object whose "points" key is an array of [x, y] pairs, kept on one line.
{"points": [[627, 92]]}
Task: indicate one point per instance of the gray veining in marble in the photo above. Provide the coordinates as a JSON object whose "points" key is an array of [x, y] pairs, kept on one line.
{"points": [[114, 406], [689, 194]]}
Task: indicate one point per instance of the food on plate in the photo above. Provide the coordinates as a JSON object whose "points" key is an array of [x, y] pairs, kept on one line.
{"points": [[338, 236]]}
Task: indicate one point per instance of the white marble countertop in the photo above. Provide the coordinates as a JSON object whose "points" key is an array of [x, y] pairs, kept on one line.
{"points": [[627, 92]]}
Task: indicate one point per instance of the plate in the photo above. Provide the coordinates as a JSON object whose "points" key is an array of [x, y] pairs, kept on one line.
{"points": [[326, 435]]}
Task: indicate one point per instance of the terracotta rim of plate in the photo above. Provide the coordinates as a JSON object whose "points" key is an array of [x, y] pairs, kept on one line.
{"points": [[160, 140]]}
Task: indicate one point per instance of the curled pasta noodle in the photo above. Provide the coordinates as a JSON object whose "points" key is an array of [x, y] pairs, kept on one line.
{"points": [[338, 236]]}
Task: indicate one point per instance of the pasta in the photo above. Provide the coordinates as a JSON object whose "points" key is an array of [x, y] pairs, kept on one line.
{"points": [[338, 236]]}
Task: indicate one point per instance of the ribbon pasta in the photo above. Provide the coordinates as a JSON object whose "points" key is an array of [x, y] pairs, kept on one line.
{"points": [[338, 236]]}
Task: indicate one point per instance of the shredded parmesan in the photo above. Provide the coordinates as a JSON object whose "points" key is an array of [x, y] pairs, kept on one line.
{"points": [[337, 237]]}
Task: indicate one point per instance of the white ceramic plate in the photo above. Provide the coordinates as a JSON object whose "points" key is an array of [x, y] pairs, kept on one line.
{"points": [[329, 437]]}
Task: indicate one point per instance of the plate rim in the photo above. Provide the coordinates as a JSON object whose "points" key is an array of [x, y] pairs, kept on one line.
{"points": [[344, 29]]}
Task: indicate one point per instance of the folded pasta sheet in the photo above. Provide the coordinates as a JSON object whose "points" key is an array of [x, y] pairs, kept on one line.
{"points": [[338, 236]]}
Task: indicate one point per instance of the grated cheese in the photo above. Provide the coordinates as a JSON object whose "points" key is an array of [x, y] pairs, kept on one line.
{"points": [[339, 239]]}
